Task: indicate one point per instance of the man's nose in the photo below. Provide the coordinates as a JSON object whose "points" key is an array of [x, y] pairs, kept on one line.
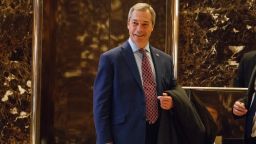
{"points": [[140, 27]]}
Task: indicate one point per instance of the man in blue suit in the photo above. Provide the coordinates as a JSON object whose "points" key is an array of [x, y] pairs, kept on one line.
{"points": [[120, 99]]}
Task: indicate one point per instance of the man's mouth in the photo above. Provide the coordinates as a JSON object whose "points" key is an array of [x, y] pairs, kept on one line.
{"points": [[139, 35]]}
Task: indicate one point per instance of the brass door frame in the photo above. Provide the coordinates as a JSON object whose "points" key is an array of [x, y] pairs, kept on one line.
{"points": [[36, 70]]}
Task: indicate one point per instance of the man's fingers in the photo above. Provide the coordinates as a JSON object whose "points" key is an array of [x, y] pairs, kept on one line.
{"points": [[239, 113], [239, 108]]}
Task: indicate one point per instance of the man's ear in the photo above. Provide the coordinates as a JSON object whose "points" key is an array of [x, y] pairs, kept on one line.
{"points": [[128, 24]]}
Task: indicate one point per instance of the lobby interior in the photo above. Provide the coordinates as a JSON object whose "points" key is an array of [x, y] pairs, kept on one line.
{"points": [[49, 53]]}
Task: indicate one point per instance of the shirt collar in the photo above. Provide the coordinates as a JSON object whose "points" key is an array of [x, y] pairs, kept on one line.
{"points": [[135, 48]]}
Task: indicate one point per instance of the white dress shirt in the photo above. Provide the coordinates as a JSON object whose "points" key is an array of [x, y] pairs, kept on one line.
{"points": [[138, 58]]}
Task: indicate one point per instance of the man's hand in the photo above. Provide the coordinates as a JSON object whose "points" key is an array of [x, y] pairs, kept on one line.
{"points": [[239, 109], [166, 102]]}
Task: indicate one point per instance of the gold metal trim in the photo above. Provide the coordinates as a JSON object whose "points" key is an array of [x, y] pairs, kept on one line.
{"points": [[216, 88], [175, 35], [36, 70]]}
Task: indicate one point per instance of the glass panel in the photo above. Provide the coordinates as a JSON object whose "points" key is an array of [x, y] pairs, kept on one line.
{"points": [[219, 103]]}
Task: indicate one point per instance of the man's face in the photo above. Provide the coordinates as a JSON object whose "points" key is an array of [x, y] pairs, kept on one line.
{"points": [[140, 27]]}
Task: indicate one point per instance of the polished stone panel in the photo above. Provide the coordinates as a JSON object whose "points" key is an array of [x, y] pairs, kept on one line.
{"points": [[212, 37], [16, 19], [82, 33]]}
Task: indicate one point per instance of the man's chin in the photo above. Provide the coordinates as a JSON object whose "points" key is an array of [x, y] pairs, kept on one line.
{"points": [[140, 39], [140, 44]]}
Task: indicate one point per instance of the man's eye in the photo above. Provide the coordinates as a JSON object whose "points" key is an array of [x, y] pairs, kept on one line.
{"points": [[134, 23]]}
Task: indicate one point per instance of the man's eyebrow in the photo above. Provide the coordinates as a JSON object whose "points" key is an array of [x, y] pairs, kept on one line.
{"points": [[140, 21]]}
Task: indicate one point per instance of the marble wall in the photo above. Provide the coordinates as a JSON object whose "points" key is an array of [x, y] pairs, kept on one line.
{"points": [[213, 35], [16, 19]]}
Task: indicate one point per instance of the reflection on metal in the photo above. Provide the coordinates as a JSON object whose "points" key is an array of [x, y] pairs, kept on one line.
{"points": [[36, 71], [168, 27], [175, 34], [217, 88]]}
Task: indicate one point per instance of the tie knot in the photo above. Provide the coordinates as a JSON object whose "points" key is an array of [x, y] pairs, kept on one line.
{"points": [[142, 51]]}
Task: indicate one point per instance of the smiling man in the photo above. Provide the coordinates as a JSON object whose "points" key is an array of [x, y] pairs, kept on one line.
{"points": [[130, 80], [140, 25]]}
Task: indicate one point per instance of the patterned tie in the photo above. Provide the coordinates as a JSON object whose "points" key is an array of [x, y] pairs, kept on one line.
{"points": [[149, 87]]}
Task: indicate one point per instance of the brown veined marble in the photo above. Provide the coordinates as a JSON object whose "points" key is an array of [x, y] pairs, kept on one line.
{"points": [[213, 35], [16, 18]]}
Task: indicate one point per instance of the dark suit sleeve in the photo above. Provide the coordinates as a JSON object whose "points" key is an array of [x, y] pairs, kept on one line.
{"points": [[205, 116], [102, 93], [187, 122]]}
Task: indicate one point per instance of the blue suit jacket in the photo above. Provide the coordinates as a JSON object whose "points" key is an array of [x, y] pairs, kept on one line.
{"points": [[118, 98]]}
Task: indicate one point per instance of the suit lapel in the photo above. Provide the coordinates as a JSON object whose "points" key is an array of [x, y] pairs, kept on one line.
{"points": [[156, 60], [130, 60]]}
